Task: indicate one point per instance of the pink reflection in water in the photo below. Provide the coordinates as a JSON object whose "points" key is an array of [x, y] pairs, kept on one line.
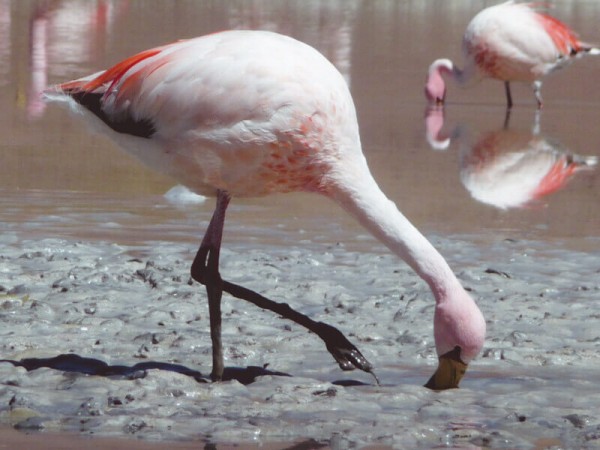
{"points": [[38, 58], [63, 34], [5, 43], [508, 168]]}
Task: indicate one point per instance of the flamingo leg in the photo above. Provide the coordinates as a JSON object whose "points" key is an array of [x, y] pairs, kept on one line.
{"points": [[509, 102], [205, 270], [343, 351]]}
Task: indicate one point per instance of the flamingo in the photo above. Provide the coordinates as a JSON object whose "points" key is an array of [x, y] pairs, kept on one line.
{"points": [[509, 42], [251, 113]]}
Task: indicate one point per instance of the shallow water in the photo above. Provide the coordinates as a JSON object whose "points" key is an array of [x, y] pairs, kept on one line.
{"points": [[107, 216], [383, 49]]}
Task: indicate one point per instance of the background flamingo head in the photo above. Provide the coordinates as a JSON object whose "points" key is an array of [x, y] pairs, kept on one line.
{"points": [[435, 86]]}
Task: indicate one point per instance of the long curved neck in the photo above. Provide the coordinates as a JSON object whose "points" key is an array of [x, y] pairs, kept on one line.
{"points": [[363, 199], [448, 68]]}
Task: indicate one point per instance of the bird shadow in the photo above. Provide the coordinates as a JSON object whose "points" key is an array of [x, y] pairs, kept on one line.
{"points": [[73, 363]]}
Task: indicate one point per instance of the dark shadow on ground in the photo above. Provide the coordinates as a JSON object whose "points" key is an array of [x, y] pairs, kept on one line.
{"points": [[91, 366], [72, 362]]}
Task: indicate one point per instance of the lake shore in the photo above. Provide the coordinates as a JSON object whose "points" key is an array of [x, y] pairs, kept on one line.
{"points": [[114, 305]]}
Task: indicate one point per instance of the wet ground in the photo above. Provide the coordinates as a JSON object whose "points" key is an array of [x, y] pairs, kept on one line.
{"points": [[85, 227]]}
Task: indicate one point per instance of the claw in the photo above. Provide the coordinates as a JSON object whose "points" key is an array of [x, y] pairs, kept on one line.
{"points": [[344, 352], [350, 359]]}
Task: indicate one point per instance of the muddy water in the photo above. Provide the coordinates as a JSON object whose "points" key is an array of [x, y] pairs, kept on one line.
{"points": [[58, 181]]}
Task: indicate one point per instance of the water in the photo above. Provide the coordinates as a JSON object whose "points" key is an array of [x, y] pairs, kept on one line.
{"points": [[382, 48], [58, 182]]}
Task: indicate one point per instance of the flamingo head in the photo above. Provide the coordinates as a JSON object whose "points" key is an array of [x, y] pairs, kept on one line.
{"points": [[435, 86], [459, 331]]}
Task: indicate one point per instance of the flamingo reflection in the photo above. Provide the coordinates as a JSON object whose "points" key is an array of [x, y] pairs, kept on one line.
{"points": [[508, 168], [64, 33], [38, 59], [5, 42]]}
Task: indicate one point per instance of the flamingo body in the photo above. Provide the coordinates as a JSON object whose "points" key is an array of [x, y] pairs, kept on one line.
{"points": [[256, 127], [250, 113], [509, 42]]}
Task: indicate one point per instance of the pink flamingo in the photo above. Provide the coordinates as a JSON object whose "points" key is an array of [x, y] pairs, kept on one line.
{"points": [[509, 42], [250, 113]]}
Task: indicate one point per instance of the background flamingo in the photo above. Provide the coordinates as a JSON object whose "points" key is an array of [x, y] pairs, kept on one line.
{"points": [[509, 42], [251, 113]]}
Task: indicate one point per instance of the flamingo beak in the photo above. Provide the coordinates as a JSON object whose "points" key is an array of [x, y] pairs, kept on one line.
{"points": [[439, 101], [449, 372]]}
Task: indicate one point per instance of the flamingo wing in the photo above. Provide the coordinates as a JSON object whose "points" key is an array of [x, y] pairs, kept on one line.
{"points": [[515, 42], [564, 38], [213, 84], [252, 111]]}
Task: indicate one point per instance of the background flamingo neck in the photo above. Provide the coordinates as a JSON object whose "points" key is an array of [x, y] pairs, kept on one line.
{"points": [[446, 67]]}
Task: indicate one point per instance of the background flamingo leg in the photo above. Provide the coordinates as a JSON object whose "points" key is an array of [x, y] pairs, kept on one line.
{"points": [[509, 102]]}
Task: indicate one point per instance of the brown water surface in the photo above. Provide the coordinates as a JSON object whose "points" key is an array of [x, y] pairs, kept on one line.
{"points": [[52, 168]]}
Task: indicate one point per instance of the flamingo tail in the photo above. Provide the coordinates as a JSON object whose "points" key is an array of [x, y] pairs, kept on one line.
{"points": [[90, 92]]}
